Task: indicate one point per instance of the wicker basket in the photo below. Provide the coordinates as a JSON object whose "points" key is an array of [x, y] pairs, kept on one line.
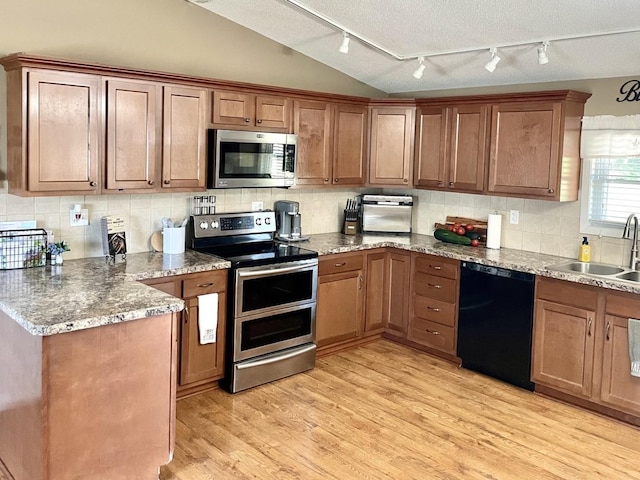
{"points": [[23, 248]]}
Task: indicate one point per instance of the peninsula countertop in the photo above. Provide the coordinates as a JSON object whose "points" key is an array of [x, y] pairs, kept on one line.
{"points": [[92, 292]]}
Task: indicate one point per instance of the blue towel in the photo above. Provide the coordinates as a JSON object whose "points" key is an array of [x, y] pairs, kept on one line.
{"points": [[634, 346]]}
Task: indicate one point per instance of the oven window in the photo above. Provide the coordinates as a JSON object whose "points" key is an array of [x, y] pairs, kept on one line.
{"points": [[274, 290], [251, 160], [275, 328]]}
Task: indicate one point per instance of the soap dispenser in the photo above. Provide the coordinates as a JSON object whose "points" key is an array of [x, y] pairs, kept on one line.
{"points": [[585, 251]]}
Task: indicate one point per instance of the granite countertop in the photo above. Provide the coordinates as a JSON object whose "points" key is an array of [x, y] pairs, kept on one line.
{"points": [[520, 260], [92, 292]]}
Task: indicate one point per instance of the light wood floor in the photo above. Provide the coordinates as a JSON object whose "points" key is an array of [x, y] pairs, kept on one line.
{"points": [[384, 411]]}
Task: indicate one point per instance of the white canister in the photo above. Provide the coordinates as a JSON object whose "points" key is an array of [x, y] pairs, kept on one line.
{"points": [[494, 230], [173, 239]]}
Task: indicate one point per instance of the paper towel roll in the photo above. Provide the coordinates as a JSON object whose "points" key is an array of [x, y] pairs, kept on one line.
{"points": [[494, 230]]}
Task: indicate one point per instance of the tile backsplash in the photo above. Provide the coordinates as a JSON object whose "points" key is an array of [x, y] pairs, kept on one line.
{"points": [[545, 227]]}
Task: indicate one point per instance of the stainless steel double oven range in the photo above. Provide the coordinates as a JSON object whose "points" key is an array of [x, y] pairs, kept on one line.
{"points": [[272, 303]]}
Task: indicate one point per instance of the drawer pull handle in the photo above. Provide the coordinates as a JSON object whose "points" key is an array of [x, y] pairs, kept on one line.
{"points": [[589, 322], [432, 332], [205, 285], [342, 264], [436, 267], [435, 309], [434, 285]]}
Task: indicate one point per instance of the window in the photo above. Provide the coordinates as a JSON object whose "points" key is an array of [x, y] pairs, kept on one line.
{"points": [[610, 173]]}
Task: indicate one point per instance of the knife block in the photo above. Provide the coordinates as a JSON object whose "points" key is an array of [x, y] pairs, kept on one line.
{"points": [[350, 227]]}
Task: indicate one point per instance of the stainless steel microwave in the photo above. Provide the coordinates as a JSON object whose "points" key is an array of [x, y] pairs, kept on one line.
{"points": [[241, 159]]}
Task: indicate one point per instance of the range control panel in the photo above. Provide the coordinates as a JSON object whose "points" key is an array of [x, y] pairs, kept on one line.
{"points": [[242, 223]]}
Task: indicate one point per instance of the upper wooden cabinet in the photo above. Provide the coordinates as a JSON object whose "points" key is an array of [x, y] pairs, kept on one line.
{"points": [[391, 145], [451, 147], [331, 143], [53, 132], [248, 111], [535, 147]]}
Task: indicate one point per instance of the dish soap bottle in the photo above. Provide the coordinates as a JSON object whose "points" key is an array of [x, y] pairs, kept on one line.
{"points": [[585, 251]]}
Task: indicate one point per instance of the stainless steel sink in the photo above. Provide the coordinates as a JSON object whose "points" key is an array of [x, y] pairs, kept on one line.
{"points": [[633, 276], [588, 268]]}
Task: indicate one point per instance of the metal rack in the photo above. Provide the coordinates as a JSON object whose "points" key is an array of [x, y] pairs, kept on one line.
{"points": [[23, 248]]}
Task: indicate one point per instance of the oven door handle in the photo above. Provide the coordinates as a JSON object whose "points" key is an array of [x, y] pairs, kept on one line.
{"points": [[274, 270], [276, 358]]}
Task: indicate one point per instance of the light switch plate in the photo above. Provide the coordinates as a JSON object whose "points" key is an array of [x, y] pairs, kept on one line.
{"points": [[514, 217], [79, 219]]}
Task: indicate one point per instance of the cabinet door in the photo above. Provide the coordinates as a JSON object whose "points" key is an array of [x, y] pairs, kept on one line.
{"points": [[563, 347], [132, 126], [339, 307], [183, 153], [273, 112], [349, 144], [398, 293], [432, 148], [391, 151], [201, 362], [63, 125], [525, 149], [312, 124], [376, 287], [233, 108], [468, 147]]}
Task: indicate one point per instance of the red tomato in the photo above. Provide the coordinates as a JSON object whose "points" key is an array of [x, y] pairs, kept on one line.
{"points": [[456, 225], [460, 231], [468, 227], [474, 243]]}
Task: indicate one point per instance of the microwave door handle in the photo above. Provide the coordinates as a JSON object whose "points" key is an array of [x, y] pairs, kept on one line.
{"points": [[272, 271]]}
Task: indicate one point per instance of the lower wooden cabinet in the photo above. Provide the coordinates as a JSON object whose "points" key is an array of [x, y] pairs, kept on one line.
{"points": [[434, 303], [199, 366], [581, 345], [376, 286], [397, 296]]}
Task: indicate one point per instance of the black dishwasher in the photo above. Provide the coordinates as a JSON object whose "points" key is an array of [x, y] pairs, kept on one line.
{"points": [[495, 322]]}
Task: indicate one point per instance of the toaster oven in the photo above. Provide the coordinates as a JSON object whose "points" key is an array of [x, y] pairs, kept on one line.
{"points": [[386, 213]]}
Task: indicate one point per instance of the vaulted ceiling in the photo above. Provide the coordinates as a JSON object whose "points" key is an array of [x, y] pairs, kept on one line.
{"points": [[454, 36]]}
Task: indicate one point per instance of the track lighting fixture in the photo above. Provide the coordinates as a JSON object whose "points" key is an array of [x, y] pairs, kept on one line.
{"points": [[344, 48], [542, 53], [420, 70], [491, 64]]}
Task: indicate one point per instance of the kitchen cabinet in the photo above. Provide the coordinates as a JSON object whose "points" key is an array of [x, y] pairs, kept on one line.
{"points": [[340, 299], [53, 142], [331, 143], [434, 303], [534, 147], [138, 116], [391, 145], [398, 293], [199, 366], [581, 346], [235, 109], [376, 291], [451, 147]]}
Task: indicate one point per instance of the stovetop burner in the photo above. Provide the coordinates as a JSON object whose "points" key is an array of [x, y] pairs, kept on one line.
{"points": [[261, 253]]}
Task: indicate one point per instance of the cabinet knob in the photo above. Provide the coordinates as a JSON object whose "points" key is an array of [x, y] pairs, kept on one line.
{"points": [[406, 180], [247, 120], [451, 184], [335, 180], [150, 182], [326, 180], [167, 182], [258, 121], [92, 184], [551, 190]]}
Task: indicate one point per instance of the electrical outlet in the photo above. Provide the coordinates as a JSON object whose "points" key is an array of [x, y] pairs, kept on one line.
{"points": [[514, 217], [79, 219], [255, 206]]}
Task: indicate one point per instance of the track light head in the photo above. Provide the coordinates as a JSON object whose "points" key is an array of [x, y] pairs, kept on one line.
{"points": [[542, 53], [491, 64], [420, 70], [344, 48]]}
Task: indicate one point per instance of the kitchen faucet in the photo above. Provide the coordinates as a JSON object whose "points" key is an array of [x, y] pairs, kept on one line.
{"points": [[633, 259]]}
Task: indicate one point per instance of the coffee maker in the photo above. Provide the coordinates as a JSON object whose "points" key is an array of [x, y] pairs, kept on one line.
{"points": [[288, 221]]}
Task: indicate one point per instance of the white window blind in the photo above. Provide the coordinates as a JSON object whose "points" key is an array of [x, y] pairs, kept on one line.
{"points": [[610, 173]]}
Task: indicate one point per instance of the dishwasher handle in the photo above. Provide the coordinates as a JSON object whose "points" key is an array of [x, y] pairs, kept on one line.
{"points": [[499, 272]]}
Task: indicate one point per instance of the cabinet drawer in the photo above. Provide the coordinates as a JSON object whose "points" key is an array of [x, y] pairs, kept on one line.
{"points": [[434, 310], [436, 266], [340, 263], [201, 283], [433, 335], [568, 293], [624, 305], [435, 287]]}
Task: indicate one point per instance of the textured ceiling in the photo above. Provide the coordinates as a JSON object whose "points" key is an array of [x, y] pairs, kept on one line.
{"points": [[410, 28]]}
